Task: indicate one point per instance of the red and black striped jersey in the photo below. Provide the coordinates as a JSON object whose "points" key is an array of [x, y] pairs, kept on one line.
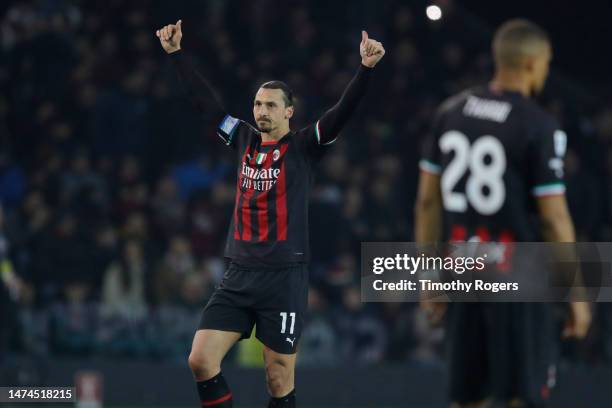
{"points": [[270, 220]]}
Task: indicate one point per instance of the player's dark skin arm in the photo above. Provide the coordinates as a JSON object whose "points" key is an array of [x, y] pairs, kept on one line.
{"points": [[428, 209], [557, 226], [428, 229], [556, 222]]}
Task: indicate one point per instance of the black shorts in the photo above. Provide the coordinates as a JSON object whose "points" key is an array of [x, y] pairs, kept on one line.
{"points": [[503, 351], [272, 299]]}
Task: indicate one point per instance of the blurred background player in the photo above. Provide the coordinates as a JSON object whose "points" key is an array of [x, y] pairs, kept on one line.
{"points": [[266, 284], [492, 153]]}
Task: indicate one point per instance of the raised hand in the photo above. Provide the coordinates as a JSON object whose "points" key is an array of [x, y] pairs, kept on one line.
{"points": [[371, 51], [170, 37]]}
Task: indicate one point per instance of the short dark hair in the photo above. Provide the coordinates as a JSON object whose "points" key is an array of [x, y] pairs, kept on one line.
{"points": [[287, 92], [517, 38]]}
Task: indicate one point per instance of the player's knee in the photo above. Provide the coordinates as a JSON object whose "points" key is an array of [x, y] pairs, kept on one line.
{"points": [[202, 366], [277, 378]]}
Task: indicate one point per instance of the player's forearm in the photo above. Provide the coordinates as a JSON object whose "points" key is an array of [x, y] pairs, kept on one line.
{"points": [[428, 209], [558, 231], [427, 230], [557, 226], [335, 118], [199, 91], [427, 222]]}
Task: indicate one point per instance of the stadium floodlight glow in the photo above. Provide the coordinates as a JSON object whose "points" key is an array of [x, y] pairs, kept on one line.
{"points": [[433, 12]]}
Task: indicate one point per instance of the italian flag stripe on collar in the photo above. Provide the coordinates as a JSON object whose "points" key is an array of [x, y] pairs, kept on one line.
{"points": [[261, 157]]}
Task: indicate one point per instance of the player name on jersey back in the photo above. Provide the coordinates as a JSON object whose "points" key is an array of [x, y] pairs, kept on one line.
{"points": [[487, 109]]}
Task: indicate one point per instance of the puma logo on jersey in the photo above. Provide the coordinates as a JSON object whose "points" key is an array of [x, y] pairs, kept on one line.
{"points": [[290, 341]]}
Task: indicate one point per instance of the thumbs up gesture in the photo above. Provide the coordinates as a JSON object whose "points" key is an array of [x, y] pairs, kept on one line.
{"points": [[371, 51], [170, 37]]}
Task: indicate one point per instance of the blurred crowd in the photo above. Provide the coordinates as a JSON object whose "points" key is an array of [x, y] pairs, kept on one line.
{"points": [[116, 197]]}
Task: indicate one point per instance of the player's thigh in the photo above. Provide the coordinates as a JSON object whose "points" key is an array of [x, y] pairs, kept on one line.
{"points": [[281, 311], [229, 308], [210, 346]]}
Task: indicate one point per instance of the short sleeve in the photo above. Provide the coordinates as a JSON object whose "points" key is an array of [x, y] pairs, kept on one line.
{"points": [[547, 154]]}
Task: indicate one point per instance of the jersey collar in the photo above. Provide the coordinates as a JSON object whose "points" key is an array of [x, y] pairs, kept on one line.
{"points": [[283, 139]]}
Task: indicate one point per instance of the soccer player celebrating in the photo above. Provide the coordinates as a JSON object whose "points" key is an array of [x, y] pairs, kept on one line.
{"points": [[491, 157], [266, 283]]}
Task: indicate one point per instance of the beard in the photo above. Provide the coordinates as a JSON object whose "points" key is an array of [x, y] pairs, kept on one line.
{"points": [[264, 126]]}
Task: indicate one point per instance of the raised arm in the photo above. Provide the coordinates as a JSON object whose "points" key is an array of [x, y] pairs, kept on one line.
{"points": [[198, 89], [332, 121]]}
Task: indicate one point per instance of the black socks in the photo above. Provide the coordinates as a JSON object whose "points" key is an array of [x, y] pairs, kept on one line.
{"points": [[216, 394], [288, 401]]}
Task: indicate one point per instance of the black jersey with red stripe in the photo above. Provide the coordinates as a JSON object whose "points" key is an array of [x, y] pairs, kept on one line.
{"points": [[270, 220], [495, 152]]}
